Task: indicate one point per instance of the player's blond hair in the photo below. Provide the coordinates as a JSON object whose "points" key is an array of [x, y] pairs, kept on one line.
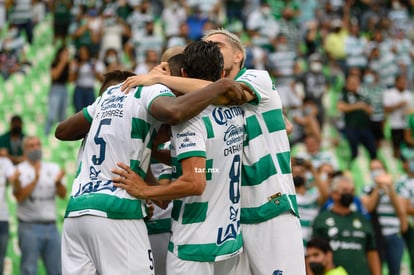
{"points": [[233, 39]]}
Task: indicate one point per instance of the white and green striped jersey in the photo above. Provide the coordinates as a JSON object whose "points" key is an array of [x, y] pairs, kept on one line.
{"points": [[160, 222], [319, 158], [206, 228], [122, 130], [7, 169], [267, 183], [405, 188], [355, 49], [308, 210], [390, 223]]}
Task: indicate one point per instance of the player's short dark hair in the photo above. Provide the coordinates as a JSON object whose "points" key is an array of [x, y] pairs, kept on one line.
{"points": [[203, 60], [319, 243], [175, 63], [113, 78]]}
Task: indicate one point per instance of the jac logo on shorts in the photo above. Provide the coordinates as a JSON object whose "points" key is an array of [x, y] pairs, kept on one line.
{"points": [[277, 272]]}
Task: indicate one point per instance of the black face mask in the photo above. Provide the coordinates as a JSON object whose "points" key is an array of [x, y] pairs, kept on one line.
{"points": [[298, 181], [317, 268], [16, 130], [346, 199]]}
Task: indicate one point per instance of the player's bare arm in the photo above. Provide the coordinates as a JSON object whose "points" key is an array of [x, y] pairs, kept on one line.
{"points": [[73, 128], [184, 85], [191, 183], [173, 110]]}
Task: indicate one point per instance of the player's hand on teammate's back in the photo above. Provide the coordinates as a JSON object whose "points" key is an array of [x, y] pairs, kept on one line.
{"points": [[129, 180]]}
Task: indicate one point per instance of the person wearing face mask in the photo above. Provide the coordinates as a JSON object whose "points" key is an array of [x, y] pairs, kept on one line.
{"points": [[388, 218], [315, 85], [309, 196], [319, 259], [35, 188], [349, 233], [11, 141]]}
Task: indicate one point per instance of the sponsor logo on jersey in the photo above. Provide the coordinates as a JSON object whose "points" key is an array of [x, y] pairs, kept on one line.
{"points": [[223, 114], [186, 134], [233, 134], [186, 143], [230, 233], [277, 272], [113, 102], [93, 173], [345, 245], [165, 91], [95, 186]]}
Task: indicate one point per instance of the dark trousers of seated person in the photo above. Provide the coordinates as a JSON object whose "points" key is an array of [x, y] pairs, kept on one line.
{"points": [[356, 136]]}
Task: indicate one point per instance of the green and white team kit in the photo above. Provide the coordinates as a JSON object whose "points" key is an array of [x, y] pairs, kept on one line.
{"points": [[267, 185], [121, 131], [206, 228]]}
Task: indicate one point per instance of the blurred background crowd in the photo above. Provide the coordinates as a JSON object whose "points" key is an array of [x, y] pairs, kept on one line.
{"points": [[343, 69]]}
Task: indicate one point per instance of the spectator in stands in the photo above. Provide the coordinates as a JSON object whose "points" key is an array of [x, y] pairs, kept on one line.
{"points": [[38, 12], [382, 58], [58, 94], [85, 30], [261, 26], [334, 44], [289, 26], [309, 197], [319, 259], [113, 30], [35, 189], [315, 85], [150, 40], [282, 64], [151, 60], [315, 154], [181, 39], [404, 52], [61, 19], [196, 20], [7, 174], [11, 142], [355, 48], [386, 209], [83, 72], [405, 187], [173, 16], [109, 62], [12, 55], [373, 90], [137, 19], [399, 14], [304, 120], [350, 233], [397, 102], [357, 113], [407, 147], [21, 16]]}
